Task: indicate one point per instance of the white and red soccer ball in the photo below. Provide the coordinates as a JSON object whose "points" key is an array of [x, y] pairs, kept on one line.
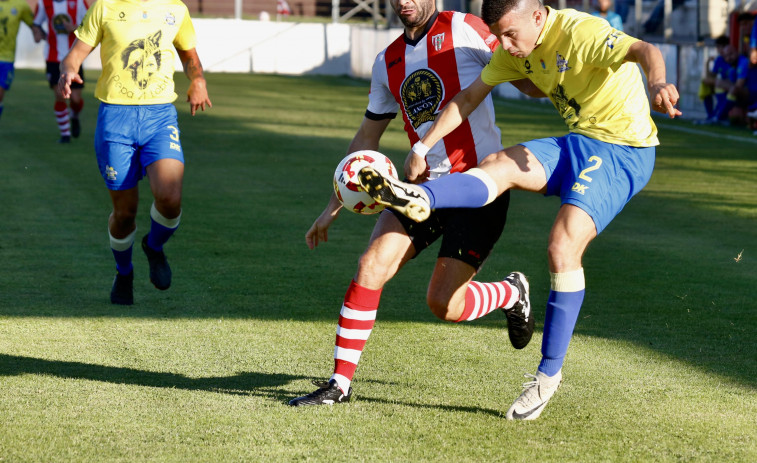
{"points": [[347, 187]]}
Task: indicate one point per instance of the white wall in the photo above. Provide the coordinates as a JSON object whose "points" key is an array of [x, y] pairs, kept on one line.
{"points": [[231, 45]]}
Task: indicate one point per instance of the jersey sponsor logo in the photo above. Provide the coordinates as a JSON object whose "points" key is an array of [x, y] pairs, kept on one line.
{"points": [[170, 19], [612, 39], [421, 94], [437, 41], [71, 4], [562, 63], [527, 64], [580, 188], [393, 63]]}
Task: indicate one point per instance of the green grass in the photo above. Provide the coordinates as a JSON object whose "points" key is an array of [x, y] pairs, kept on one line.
{"points": [[662, 367]]}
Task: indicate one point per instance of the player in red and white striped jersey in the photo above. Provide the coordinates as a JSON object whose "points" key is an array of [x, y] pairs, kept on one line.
{"points": [[60, 18], [438, 55]]}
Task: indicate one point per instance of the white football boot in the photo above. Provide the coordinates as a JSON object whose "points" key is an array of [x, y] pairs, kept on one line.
{"points": [[536, 393]]}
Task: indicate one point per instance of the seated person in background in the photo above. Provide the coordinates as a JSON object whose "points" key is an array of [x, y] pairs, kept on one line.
{"points": [[727, 80], [610, 16]]}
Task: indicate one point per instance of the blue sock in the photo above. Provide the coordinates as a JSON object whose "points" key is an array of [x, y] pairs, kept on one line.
{"points": [[161, 229], [122, 250], [721, 105], [457, 190], [559, 322]]}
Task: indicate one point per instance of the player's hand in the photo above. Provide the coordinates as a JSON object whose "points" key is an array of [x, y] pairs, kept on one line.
{"points": [[753, 56], [64, 83], [319, 231], [664, 98], [416, 169], [197, 95]]}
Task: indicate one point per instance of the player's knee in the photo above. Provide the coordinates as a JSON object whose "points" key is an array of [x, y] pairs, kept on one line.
{"points": [[168, 203], [124, 217], [563, 256], [372, 271], [442, 308]]}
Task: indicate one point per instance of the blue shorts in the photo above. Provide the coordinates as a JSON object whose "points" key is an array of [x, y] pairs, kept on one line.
{"points": [[598, 177], [6, 74], [129, 138]]}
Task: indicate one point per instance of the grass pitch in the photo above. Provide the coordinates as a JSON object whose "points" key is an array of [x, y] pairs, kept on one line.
{"points": [[662, 367]]}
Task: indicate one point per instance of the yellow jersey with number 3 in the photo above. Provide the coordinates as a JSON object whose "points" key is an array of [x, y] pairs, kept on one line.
{"points": [[579, 64], [137, 47], [12, 12]]}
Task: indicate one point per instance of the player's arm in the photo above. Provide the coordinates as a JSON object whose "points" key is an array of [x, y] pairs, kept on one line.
{"points": [[527, 87], [197, 94], [69, 67], [456, 111], [664, 95], [366, 138]]}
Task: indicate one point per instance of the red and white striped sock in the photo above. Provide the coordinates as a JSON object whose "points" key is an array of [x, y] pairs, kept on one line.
{"points": [[483, 298], [355, 324], [61, 115]]}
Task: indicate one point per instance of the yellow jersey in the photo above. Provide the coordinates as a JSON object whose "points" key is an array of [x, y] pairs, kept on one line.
{"points": [[138, 42], [579, 64], [12, 12]]}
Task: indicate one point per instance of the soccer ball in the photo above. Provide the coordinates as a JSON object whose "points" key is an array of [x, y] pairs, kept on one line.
{"points": [[348, 189]]}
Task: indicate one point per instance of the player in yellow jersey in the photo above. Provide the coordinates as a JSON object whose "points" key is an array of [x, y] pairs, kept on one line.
{"points": [[137, 128], [589, 71], [12, 13]]}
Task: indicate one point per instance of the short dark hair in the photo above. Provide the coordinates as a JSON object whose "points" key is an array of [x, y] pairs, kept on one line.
{"points": [[493, 10], [722, 41]]}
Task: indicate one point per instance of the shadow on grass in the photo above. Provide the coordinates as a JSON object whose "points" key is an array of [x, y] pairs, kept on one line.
{"points": [[244, 383]]}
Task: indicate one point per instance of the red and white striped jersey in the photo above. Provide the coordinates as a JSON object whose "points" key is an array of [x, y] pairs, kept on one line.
{"points": [[420, 78], [53, 13]]}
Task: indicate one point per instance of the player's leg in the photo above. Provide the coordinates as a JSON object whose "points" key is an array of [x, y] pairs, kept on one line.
{"points": [[162, 155], [76, 103], [595, 180], [6, 79], [121, 172], [389, 249], [60, 107], [514, 167], [469, 237]]}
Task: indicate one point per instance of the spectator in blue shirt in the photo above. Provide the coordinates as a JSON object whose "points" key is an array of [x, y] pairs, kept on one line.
{"points": [[727, 80], [604, 12]]}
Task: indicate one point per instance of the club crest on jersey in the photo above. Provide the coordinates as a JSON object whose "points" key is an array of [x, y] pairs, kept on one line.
{"points": [[421, 94], [562, 63], [437, 41], [144, 15], [71, 4]]}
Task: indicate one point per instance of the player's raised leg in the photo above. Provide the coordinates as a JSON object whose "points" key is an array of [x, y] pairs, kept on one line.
{"points": [[515, 167]]}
